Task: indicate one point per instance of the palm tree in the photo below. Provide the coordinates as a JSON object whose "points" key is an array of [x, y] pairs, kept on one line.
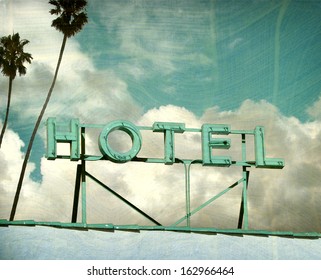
{"points": [[12, 58], [71, 18]]}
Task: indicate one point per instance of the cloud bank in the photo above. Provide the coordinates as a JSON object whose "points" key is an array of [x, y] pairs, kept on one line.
{"points": [[284, 199]]}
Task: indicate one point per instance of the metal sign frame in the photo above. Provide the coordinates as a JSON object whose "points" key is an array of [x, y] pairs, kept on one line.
{"points": [[74, 133]]}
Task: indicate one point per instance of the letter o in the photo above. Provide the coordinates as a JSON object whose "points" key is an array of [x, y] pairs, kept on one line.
{"points": [[109, 152]]}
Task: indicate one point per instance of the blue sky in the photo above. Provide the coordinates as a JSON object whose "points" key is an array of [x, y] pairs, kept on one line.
{"points": [[244, 63], [200, 54]]}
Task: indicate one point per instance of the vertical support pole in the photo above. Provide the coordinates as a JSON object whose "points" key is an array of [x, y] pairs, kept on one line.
{"points": [[187, 166], [76, 195], [244, 198], [243, 216], [83, 177]]}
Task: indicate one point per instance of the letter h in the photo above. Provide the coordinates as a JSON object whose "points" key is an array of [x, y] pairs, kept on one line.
{"points": [[70, 134]]}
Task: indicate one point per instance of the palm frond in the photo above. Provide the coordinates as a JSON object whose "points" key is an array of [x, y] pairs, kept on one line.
{"points": [[57, 9], [13, 56], [71, 16]]}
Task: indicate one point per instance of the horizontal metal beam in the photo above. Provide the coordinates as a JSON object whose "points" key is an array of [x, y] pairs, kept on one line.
{"points": [[5, 223]]}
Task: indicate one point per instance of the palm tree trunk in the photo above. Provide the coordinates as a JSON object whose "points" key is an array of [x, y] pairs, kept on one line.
{"points": [[33, 135], [7, 111]]}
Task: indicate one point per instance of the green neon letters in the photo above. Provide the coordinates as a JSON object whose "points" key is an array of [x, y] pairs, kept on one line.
{"points": [[169, 129], [69, 132], [260, 160], [64, 133], [116, 156], [209, 143]]}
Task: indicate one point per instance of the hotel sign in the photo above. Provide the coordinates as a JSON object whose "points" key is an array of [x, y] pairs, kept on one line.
{"points": [[213, 137]]}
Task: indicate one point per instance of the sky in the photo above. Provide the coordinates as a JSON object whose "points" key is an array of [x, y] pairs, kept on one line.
{"points": [[243, 63]]}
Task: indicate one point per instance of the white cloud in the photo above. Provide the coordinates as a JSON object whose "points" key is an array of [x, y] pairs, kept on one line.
{"points": [[99, 96], [315, 110], [284, 199], [144, 34], [10, 165]]}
